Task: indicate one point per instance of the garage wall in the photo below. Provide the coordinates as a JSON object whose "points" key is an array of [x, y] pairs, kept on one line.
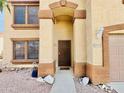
{"points": [[116, 57], [101, 13]]}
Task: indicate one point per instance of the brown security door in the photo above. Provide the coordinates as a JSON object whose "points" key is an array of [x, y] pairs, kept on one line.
{"points": [[64, 53]]}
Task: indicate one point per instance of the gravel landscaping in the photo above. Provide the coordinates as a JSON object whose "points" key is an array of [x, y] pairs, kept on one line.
{"points": [[88, 88], [21, 82]]}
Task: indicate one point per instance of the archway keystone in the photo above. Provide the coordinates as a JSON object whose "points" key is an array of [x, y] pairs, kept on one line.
{"points": [[63, 3]]}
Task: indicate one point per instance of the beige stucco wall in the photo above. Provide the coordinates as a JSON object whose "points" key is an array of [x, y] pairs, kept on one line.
{"points": [[46, 41], [12, 33], [101, 13], [79, 41], [88, 31], [1, 46]]}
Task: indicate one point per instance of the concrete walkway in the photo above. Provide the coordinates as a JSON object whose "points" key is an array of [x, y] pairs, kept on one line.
{"points": [[118, 86], [64, 82]]}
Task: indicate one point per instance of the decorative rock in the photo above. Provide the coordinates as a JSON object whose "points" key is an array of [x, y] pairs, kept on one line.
{"points": [[104, 86], [40, 79], [84, 81], [114, 91], [49, 79], [12, 69], [17, 69], [22, 68], [107, 88]]}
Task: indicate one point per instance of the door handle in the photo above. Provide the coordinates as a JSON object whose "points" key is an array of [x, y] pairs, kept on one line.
{"points": [[59, 53]]}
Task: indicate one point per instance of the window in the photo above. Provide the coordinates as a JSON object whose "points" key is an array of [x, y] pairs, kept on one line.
{"points": [[26, 14], [33, 49], [32, 15], [26, 49], [20, 15], [19, 50]]}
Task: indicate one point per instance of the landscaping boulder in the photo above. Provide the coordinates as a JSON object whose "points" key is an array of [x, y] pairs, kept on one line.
{"points": [[49, 79], [107, 88], [84, 81], [40, 79], [12, 69]]}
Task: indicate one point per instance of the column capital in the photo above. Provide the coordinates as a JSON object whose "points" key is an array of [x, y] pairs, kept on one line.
{"points": [[80, 14], [45, 14]]}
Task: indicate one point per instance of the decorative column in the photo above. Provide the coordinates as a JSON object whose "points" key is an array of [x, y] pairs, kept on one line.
{"points": [[46, 61], [79, 34]]}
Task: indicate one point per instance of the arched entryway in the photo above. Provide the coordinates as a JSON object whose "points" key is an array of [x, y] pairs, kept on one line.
{"points": [[64, 35], [63, 14]]}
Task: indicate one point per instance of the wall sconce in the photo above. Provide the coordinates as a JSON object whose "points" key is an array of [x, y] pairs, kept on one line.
{"points": [[100, 32]]}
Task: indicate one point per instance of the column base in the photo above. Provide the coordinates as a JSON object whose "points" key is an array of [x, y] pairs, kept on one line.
{"points": [[45, 69], [79, 69], [97, 74]]}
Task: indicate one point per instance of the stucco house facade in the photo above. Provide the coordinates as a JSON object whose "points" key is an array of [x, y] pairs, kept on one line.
{"points": [[86, 35]]}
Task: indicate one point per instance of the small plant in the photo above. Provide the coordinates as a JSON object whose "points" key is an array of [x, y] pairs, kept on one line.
{"points": [[4, 3], [34, 64]]}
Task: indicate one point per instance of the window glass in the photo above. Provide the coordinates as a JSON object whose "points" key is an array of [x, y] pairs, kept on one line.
{"points": [[19, 14], [33, 49], [33, 15], [19, 48]]}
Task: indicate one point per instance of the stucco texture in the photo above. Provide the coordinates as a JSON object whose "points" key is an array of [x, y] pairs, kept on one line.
{"points": [[100, 13]]}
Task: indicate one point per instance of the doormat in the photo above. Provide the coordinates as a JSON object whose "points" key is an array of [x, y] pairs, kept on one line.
{"points": [[64, 68]]}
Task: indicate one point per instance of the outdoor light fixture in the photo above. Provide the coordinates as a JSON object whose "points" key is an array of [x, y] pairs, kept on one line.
{"points": [[100, 32]]}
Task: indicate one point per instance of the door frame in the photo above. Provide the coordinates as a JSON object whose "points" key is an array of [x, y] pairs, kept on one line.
{"points": [[70, 53]]}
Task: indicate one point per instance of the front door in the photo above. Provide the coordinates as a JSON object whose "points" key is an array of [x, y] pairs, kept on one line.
{"points": [[64, 53]]}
